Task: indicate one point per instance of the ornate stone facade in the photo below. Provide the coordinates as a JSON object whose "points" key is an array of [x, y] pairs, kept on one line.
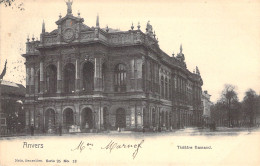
{"points": [[98, 79]]}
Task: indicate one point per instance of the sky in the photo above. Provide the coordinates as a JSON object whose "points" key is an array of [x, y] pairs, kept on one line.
{"points": [[222, 38]]}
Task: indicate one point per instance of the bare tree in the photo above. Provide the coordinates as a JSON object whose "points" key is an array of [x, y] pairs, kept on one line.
{"points": [[12, 4], [219, 113], [229, 97], [250, 103]]}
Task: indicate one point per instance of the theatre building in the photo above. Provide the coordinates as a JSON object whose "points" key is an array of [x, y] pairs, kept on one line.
{"points": [[93, 79]]}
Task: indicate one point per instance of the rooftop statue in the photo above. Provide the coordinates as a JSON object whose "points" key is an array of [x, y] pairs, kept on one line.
{"points": [[197, 70], [69, 3], [180, 55], [149, 28]]}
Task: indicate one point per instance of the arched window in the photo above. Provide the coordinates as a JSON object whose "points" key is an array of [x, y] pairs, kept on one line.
{"points": [[51, 79], [162, 87], [69, 78], [120, 78], [88, 77]]}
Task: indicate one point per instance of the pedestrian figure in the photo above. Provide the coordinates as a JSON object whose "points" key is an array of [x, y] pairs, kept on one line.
{"points": [[60, 130], [32, 130], [143, 130]]}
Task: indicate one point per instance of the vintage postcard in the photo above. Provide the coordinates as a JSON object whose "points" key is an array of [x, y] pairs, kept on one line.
{"points": [[129, 82]]}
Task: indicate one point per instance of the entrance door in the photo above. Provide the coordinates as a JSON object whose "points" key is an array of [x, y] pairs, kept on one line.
{"points": [[68, 119], [145, 118], [49, 121], [86, 119], [120, 118]]}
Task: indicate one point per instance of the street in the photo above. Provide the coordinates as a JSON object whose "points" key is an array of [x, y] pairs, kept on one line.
{"points": [[189, 131]]}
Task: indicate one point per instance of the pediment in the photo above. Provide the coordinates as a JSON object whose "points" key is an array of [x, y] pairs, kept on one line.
{"points": [[71, 18]]}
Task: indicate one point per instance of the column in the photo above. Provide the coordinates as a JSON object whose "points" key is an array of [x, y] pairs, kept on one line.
{"points": [[101, 117], [150, 116], [175, 118], [185, 118], [59, 76], [41, 78], [96, 119], [32, 116], [37, 118], [132, 75], [74, 117], [77, 115], [60, 116], [32, 87], [41, 120], [132, 116], [164, 118], [158, 117], [56, 124], [27, 118], [78, 120], [170, 88]]}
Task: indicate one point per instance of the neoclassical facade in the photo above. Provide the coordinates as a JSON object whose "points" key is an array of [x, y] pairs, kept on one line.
{"points": [[100, 78]]}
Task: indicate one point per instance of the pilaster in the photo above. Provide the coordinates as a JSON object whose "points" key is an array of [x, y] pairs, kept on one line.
{"points": [[32, 87], [27, 80], [77, 81], [138, 70], [59, 81], [41, 77], [98, 74], [97, 117], [132, 75]]}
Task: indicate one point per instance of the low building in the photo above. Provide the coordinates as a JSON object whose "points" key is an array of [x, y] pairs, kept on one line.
{"points": [[205, 97], [12, 115]]}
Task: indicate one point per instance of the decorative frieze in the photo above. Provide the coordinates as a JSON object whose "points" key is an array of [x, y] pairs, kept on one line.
{"points": [[87, 36], [48, 40]]}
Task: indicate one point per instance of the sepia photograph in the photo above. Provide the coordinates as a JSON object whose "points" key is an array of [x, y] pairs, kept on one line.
{"points": [[129, 82]]}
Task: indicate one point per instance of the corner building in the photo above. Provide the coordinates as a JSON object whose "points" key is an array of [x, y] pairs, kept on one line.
{"points": [[100, 78]]}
